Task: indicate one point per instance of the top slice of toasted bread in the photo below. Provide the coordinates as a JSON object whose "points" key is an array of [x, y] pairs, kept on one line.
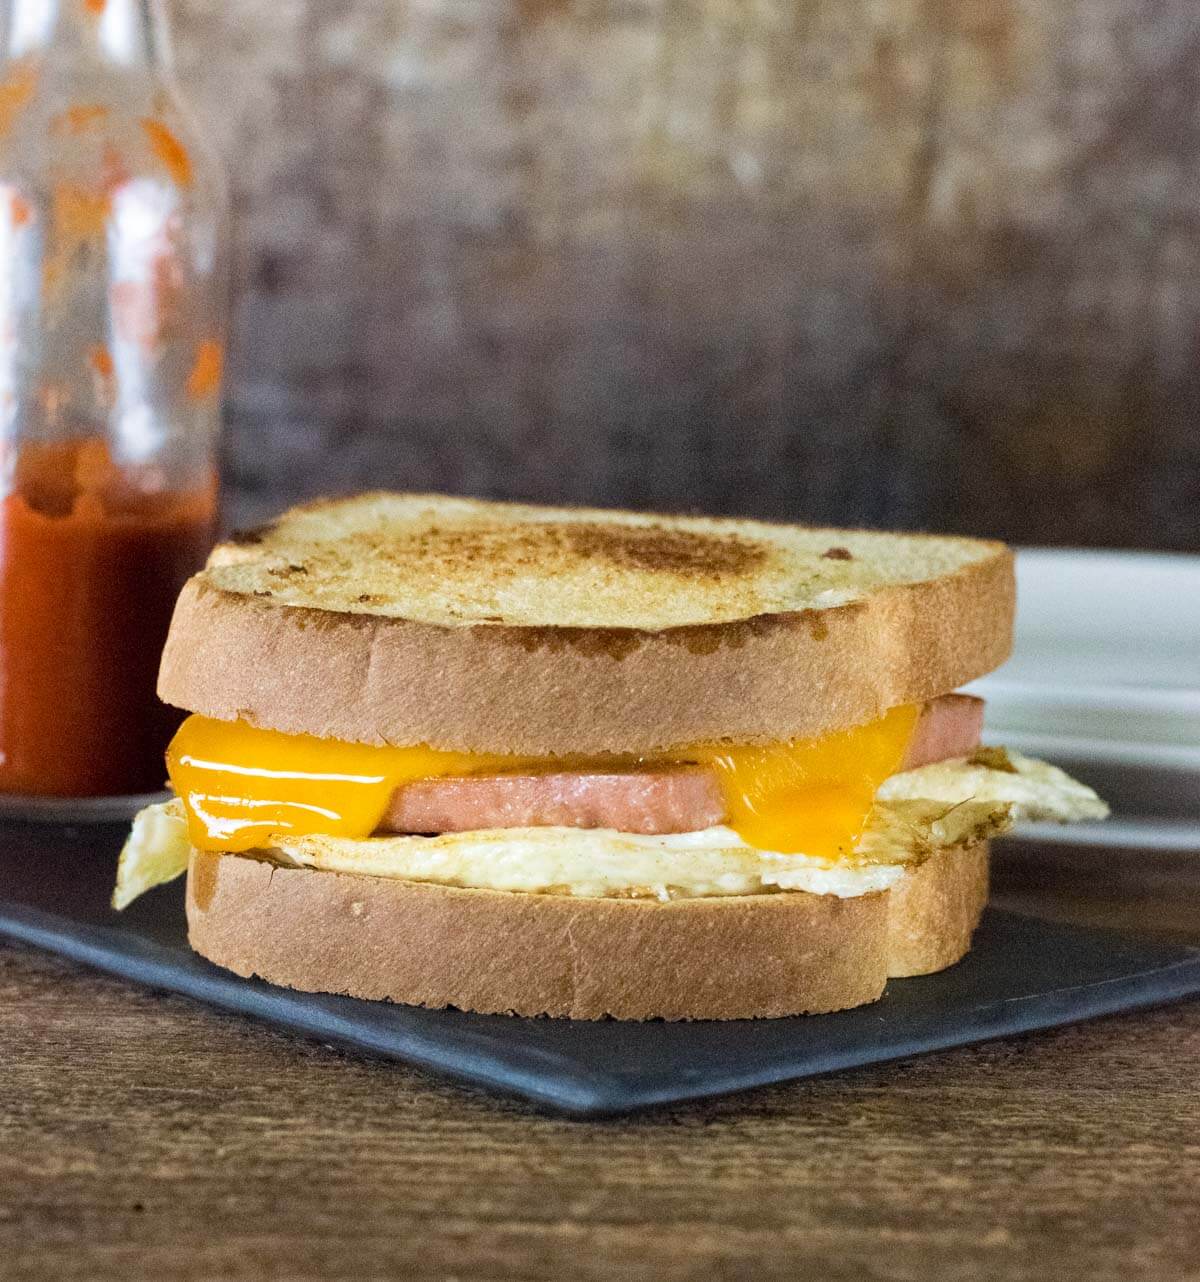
{"points": [[502, 627], [453, 561]]}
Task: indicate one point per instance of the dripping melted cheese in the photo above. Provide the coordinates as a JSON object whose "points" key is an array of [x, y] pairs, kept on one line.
{"points": [[242, 786]]}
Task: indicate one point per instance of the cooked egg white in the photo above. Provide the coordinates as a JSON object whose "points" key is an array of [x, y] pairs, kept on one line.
{"points": [[1034, 791], [916, 813], [596, 863], [156, 851]]}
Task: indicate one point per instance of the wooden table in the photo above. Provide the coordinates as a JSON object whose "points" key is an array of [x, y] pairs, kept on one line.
{"points": [[145, 1137]]}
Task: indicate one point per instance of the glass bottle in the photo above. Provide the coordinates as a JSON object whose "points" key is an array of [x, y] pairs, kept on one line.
{"points": [[112, 316]]}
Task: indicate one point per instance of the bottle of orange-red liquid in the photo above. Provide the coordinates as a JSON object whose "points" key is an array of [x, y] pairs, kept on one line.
{"points": [[112, 301]]}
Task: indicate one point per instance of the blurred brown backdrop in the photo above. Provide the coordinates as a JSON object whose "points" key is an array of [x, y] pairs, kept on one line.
{"points": [[918, 263]]}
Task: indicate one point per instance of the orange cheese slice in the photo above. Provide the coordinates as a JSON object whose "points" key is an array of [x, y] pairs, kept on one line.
{"points": [[242, 786]]}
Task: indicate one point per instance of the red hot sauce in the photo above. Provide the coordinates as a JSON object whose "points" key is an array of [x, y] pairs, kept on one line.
{"points": [[90, 566]]}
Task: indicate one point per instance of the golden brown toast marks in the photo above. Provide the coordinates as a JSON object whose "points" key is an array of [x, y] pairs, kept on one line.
{"points": [[461, 561]]}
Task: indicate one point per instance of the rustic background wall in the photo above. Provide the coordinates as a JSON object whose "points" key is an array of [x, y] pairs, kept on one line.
{"points": [[917, 262]]}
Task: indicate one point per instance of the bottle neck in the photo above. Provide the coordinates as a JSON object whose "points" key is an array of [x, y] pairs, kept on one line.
{"points": [[130, 33]]}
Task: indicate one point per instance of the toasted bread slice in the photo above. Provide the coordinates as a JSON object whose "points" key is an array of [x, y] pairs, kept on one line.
{"points": [[497, 627], [462, 562], [495, 951]]}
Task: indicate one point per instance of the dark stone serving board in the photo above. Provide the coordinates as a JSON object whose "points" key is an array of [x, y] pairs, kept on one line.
{"points": [[1022, 975]]}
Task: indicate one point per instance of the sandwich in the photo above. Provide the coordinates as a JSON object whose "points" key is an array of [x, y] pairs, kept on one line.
{"points": [[583, 763]]}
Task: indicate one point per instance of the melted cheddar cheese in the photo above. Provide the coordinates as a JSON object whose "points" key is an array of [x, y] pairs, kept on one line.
{"points": [[241, 786]]}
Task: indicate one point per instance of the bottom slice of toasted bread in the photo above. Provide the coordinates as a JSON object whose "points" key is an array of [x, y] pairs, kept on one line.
{"points": [[496, 951]]}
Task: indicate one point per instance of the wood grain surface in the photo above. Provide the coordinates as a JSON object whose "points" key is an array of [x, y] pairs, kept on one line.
{"points": [[918, 263], [145, 1137]]}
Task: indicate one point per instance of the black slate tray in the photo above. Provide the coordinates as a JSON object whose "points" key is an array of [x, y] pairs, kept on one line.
{"points": [[1022, 975]]}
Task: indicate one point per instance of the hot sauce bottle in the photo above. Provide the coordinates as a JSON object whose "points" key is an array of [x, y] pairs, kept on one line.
{"points": [[112, 292]]}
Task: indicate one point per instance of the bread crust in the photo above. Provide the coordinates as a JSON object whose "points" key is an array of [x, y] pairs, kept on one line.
{"points": [[584, 691], [500, 952], [933, 912]]}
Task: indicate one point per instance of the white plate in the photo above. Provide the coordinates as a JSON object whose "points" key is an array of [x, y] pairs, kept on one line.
{"points": [[1107, 650], [1105, 680]]}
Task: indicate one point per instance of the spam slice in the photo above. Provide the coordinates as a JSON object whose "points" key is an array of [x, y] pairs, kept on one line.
{"points": [[649, 802], [685, 799]]}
